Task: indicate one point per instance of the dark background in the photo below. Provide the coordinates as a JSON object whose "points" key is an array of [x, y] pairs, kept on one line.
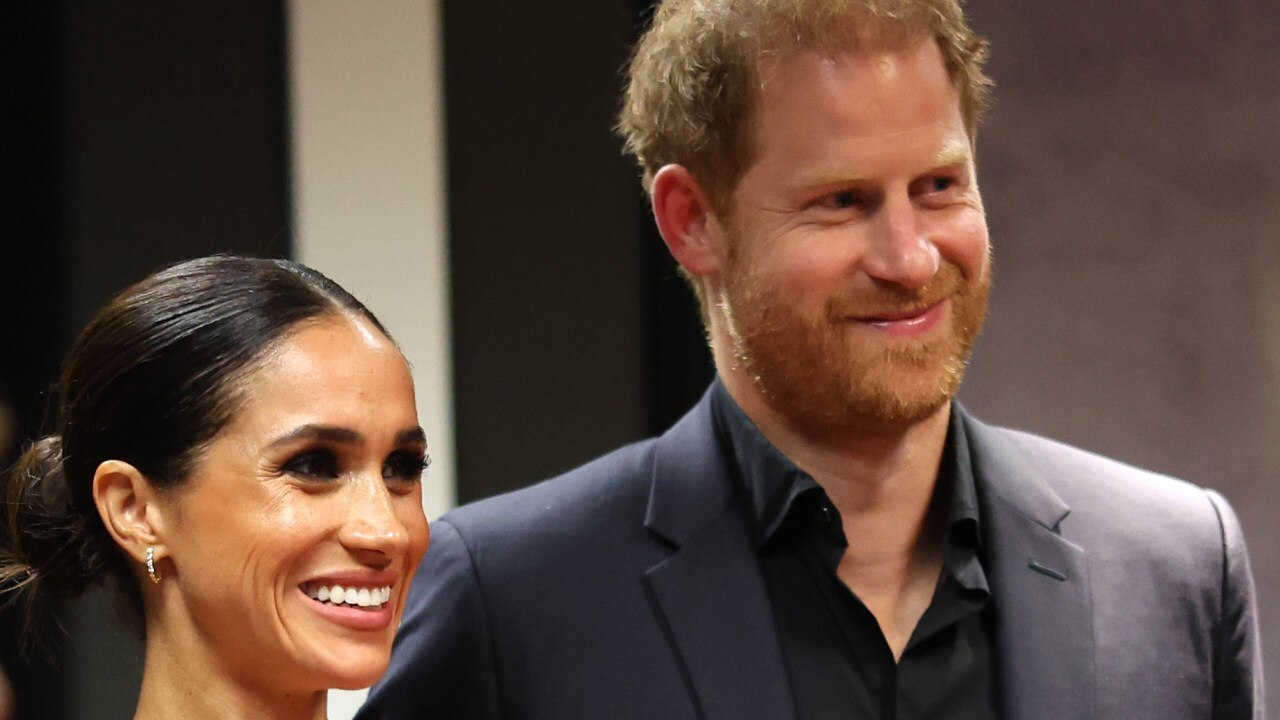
{"points": [[1131, 171], [134, 134]]}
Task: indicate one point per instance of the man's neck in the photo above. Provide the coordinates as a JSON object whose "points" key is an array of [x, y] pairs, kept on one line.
{"points": [[863, 469], [883, 485]]}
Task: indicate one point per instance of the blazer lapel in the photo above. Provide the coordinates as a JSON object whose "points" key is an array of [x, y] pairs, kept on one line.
{"points": [[709, 592], [713, 601], [1040, 582]]}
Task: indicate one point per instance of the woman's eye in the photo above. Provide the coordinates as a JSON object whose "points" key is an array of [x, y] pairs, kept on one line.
{"points": [[314, 464], [405, 466]]}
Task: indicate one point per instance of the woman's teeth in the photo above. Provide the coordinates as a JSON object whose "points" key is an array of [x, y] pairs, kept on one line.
{"points": [[356, 597]]}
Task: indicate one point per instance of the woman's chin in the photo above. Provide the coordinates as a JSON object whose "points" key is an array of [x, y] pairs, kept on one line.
{"points": [[356, 683], [340, 665], [358, 669], [333, 656]]}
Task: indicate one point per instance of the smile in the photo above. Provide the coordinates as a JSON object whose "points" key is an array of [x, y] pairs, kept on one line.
{"points": [[357, 597], [906, 323]]}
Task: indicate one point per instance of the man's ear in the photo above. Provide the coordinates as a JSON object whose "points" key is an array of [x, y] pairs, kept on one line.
{"points": [[685, 218], [129, 509]]}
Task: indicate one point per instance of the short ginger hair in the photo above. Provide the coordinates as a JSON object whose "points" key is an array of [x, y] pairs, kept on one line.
{"points": [[694, 75]]}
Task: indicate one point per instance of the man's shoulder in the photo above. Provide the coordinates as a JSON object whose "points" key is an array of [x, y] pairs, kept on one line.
{"points": [[1066, 465], [608, 489], [533, 549], [1101, 492]]}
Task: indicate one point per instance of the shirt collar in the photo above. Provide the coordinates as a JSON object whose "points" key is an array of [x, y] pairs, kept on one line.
{"points": [[772, 483], [957, 469], [962, 553]]}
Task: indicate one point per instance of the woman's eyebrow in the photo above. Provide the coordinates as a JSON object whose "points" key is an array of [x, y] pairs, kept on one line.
{"points": [[412, 435], [328, 433]]}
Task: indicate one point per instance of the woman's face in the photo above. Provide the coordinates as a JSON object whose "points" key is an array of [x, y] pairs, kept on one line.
{"points": [[294, 540]]}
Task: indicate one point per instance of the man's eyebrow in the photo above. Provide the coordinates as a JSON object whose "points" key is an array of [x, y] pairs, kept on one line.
{"points": [[825, 177], [953, 153], [328, 433]]}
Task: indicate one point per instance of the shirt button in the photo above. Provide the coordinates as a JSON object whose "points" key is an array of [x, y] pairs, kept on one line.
{"points": [[825, 516]]}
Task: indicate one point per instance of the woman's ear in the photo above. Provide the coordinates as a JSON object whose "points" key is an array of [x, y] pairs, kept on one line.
{"points": [[686, 220], [128, 505]]}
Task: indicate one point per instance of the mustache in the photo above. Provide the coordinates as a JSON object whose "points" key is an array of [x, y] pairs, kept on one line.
{"points": [[891, 300]]}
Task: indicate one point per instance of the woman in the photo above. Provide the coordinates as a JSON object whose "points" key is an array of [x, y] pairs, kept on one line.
{"points": [[238, 453]]}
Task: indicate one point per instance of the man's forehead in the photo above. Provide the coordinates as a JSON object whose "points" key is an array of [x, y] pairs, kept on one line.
{"points": [[834, 45], [884, 93], [877, 65]]}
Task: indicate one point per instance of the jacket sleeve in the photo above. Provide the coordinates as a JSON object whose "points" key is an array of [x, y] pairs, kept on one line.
{"points": [[1237, 677], [442, 661]]}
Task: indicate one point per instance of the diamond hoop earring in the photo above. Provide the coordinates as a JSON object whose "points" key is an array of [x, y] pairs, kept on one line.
{"points": [[151, 565]]}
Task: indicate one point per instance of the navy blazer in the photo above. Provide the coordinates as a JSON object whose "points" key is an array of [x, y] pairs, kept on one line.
{"points": [[629, 589]]}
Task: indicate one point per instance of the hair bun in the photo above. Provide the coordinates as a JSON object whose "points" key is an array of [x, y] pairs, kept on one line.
{"points": [[45, 543]]}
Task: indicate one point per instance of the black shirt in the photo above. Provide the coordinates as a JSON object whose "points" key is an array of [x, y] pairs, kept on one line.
{"points": [[838, 661]]}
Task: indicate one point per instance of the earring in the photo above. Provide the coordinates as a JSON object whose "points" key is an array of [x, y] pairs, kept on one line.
{"points": [[151, 565]]}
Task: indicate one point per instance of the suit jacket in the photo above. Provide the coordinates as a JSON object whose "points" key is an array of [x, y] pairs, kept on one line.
{"points": [[629, 588]]}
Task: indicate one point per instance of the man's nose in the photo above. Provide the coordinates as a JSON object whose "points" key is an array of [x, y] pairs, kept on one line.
{"points": [[372, 525], [901, 251]]}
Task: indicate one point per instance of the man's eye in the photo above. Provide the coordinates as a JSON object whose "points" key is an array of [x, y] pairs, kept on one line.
{"points": [[405, 466], [941, 184], [313, 464], [842, 200]]}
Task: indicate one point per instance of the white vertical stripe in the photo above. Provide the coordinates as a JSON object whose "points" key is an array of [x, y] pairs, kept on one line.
{"points": [[368, 190]]}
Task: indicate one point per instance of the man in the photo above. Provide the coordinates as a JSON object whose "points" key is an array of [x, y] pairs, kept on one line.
{"points": [[827, 534]]}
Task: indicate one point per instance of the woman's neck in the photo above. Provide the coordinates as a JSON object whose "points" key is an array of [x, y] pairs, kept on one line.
{"points": [[182, 681]]}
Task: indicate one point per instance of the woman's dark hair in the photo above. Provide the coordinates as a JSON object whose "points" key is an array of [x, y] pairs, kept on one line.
{"points": [[150, 382]]}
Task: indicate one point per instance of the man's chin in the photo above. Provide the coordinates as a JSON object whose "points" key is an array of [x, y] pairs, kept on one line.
{"points": [[890, 400], [870, 415], [898, 411]]}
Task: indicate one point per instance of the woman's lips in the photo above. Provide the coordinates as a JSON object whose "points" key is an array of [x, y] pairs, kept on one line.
{"points": [[356, 599], [371, 617], [353, 595]]}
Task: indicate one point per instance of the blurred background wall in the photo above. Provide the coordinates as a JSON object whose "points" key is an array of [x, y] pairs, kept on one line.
{"points": [[1131, 170]]}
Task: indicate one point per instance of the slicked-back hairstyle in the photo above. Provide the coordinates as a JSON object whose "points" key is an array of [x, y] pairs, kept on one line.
{"points": [[694, 74], [151, 381]]}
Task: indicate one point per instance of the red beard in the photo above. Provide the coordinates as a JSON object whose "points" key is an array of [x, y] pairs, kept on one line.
{"points": [[828, 375]]}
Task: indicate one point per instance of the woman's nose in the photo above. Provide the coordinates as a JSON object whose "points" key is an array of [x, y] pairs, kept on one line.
{"points": [[372, 525]]}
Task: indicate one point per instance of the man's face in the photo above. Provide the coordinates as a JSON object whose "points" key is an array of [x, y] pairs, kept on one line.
{"points": [[857, 271]]}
